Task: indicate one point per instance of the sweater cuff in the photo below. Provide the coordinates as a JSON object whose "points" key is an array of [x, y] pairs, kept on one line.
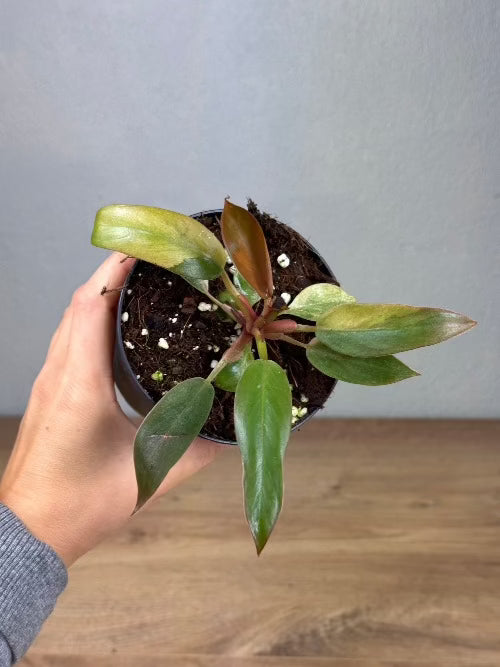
{"points": [[32, 576]]}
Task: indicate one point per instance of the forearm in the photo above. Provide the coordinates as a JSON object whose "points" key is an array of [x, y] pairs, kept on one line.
{"points": [[31, 578]]}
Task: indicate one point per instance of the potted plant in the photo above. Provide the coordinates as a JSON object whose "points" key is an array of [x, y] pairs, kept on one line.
{"points": [[225, 337]]}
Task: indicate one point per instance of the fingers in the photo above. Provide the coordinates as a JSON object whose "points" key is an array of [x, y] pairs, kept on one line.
{"points": [[49, 377], [58, 347], [111, 274], [83, 342], [92, 331]]}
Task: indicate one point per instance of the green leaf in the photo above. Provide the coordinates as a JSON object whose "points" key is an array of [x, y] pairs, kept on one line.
{"points": [[246, 244], [230, 375], [316, 300], [200, 285], [371, 371], [246, 289], [226, 297], [167, 431], [376, 330], [172, 240], [262, 414]]}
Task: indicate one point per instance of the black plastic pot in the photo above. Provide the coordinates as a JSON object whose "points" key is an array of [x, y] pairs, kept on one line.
{"points": [[131, 389]]}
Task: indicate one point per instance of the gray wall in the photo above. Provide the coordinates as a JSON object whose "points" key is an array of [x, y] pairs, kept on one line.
{"points": [[372, 126]]}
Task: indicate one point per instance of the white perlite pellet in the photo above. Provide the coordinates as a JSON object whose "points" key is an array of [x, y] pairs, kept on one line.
{"points": [[213, 363], [297, 413], [286, 297], [196, 347], [216, 348], [283, 260], [124, 317], [174, 320], [163, 343], [144, 332], [304, 399], [204, 307], [129, 291], [130, 345], [169, 283]]}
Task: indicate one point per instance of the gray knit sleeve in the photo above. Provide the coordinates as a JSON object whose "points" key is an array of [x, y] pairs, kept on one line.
{"points": [[31, 577]]}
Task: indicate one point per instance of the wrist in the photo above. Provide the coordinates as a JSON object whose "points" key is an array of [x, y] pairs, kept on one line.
{"points": [[44, 524]]}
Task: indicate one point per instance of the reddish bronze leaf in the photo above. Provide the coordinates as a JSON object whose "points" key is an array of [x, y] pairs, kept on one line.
{"points": [[245, 242]]}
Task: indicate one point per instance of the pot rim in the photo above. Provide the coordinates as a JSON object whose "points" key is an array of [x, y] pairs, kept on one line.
{"points": [[123, 358]]}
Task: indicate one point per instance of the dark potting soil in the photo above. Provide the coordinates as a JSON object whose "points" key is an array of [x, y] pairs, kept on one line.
{"points": [[160, 304]]}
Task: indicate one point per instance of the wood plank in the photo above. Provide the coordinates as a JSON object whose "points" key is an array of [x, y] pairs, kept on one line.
{"points": [[387, 553], [185, 660]]}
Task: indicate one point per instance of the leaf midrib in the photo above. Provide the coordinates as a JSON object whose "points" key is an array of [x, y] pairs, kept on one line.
{"points": [[180, 415]]}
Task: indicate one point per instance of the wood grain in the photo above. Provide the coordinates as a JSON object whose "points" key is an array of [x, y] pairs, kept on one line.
{"points": [[387, 553]]}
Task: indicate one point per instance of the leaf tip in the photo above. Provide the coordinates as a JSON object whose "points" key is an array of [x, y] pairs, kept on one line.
{"points": [[464, 324], [260, 543], [261, 537], [136, 508]]}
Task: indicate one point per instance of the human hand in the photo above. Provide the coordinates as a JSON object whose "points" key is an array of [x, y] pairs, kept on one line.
{"points": [[71, 476]]}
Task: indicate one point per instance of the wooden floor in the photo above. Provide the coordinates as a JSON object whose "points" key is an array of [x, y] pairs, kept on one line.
{"points": [[387, 554]]}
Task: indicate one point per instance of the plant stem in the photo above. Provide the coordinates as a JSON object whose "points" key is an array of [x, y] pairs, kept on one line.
{"points": [[280, 326], [227, 309], [261, 347], [242, 301], [231, 355], [229, 285], [217, 370], [287, 339], [267, 310], [306, 327], [272, 316]]}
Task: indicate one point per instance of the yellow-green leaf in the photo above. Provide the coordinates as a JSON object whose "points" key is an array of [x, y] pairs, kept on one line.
{"points": [[167, 431], [262, 415], [172, 240], [376, 330], [316, 300], [370, 371]]}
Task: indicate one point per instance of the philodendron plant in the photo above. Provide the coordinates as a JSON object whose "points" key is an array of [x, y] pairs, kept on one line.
{"points": [[351, 341]]}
